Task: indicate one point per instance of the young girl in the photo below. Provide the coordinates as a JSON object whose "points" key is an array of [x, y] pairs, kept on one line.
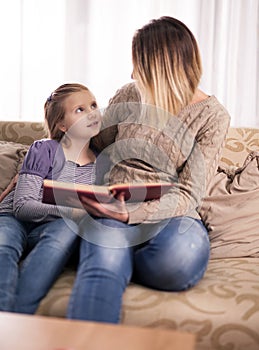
{"points": [[46, 235]]}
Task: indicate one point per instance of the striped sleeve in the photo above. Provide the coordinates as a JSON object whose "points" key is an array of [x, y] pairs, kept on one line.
{"points": [[27, 204]]}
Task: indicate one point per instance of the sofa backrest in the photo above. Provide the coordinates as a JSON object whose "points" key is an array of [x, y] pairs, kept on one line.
{"points": [[239, 142], [22, 132]]}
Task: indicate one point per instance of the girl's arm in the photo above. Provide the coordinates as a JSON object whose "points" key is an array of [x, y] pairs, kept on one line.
{"points": [[27, 203], [43, 160]]}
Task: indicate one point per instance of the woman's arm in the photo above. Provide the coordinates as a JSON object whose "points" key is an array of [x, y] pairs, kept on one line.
{"points": [[193, 179]]}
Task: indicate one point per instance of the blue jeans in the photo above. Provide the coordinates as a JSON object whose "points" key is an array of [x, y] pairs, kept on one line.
{"points": [[31, 258], [174, 259]]}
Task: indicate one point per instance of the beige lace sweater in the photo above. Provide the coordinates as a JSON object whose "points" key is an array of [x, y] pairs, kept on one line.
{"points": [[147, 145]]}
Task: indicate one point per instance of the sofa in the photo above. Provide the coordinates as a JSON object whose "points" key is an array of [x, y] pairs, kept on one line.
{"points": [[223, 308]]}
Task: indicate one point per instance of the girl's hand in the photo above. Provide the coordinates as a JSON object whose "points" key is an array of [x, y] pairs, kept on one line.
{"points": [[114, 210]]}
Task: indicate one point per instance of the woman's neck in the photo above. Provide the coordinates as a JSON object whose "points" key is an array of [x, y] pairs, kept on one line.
{"points": [[198, 96]]}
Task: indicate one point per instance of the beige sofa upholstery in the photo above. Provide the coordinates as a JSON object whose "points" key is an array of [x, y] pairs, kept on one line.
{"points": [[222, 310]]}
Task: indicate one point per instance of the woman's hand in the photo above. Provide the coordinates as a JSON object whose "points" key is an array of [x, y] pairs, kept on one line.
{"points": [[114, 210]]}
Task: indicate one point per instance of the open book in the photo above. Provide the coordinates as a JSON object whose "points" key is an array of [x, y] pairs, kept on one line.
{"points": [[69, 194]]}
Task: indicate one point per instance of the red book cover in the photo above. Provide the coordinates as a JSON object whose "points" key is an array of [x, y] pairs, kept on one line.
{"points": [[69, 194]]}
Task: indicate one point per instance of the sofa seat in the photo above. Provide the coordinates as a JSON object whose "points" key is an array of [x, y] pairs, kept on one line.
{"points": [[222, 310]]}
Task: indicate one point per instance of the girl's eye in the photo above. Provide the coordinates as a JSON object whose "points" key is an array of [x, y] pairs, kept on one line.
{"points": [[94, 105], [79, 110]]}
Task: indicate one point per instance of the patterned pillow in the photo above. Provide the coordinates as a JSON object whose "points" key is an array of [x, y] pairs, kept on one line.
{"points": [[11, 158], [231, 210]]}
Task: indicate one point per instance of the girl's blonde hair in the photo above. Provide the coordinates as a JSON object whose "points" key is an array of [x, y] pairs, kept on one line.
{"points": [[166, 64], [54, 109]]}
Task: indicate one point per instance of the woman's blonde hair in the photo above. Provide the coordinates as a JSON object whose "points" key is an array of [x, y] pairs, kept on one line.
{"points": [[166, 64], [54, 109]]}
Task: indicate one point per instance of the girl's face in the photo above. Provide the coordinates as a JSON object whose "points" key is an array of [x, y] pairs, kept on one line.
{"points": [[82, 117]]}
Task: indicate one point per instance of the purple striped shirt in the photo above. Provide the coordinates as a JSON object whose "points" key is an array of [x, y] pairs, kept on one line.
{"points": [[45, 159]]}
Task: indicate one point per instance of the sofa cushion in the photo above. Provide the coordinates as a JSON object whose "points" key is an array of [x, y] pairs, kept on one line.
{"points": [[11, 158], [230, 211]]}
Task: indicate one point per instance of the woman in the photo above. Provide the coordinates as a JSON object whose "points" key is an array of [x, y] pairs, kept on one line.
{"points": [[175, 134]]}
